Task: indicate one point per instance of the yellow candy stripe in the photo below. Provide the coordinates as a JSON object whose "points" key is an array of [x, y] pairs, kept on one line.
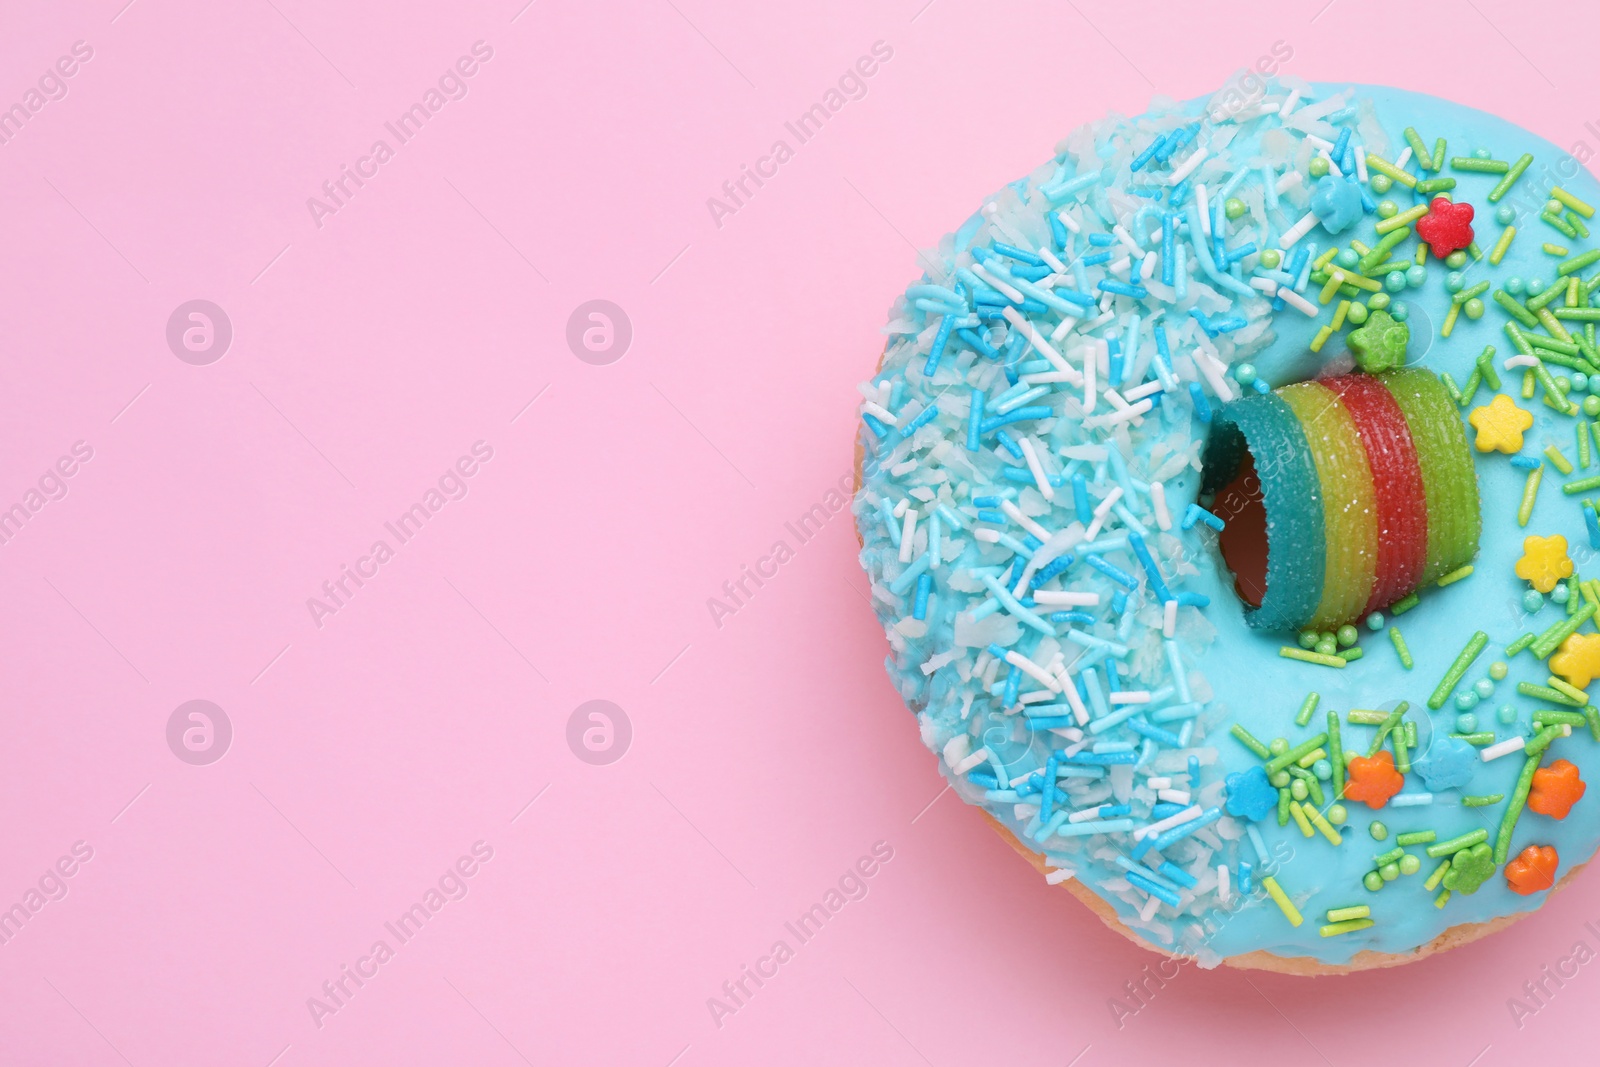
{"points": [[1350, 514]]}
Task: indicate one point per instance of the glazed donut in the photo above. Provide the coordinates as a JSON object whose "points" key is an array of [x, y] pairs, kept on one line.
{"points": [[1224, 491]]}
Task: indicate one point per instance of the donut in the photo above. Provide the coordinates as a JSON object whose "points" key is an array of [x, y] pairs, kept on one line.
{"points": [[1227, 487]]}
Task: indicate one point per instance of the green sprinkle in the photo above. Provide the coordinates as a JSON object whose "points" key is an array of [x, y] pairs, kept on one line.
{"points": [[1336, 752], [1291, 652], [1248, 740], [1361, 717], [1404, 218], [1559, 224], [1519, 644], [1591, 714], [1419, 149], [1577, 263], [1382, 248], [1388, 857], [1546, 642], [1459, 668], [1485, 363], [1436, 161], [1557, 460], [1582, 485], [1349, 654], [1554, 249], [1307, 707], [1479, 166], [1279, 897], [1300, 820], [1389, 723], [1415, 837], [1577, 697], [1404, 604], [1400, 739], [1482, 802], [1583, 444], [1545, 692], [1436, 877], [1572, 202], [1514, 308], [1578, 314], [1442, 899], [1283, 807], [1436, 185], [1278, 763], [1499, 251], [1339, 915], [1467, 294], [1400, 647], [1519, 797], [1541, 740], [1478, 740], [1504, 185], [1389, 170], [1455, 575], [1456, 844], [1549, 717]]}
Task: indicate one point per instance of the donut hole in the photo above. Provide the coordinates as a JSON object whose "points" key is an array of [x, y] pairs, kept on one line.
{"points": [[1243, 540]]}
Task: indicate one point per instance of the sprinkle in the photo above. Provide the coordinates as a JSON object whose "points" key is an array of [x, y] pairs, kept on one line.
{"points": [[1479, 166], [1482, 801], [1322, 824], [1456, 844], [1454, 576], [1504, 185], [1299, 813], [1410, 800], [1249, 741], [1400, 647], [1457, 669], [1546, 642], [1416, 837], [1335, 753], [1389, 170], [1404, 604], [1158, 500], [1307, 707], [1195, 513], [1278, 763], [1558, 193], [1404, 218], [1582, 485], [1279, 897], [1348, 926], [1498, 252], [1304, 656], [1299, 302], [1519, 798], [1530, 493], [1502, 748]]}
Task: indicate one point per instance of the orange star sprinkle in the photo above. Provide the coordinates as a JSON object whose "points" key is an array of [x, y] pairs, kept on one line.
{"points": [[1533, 871], [1578, 662], [1544, 561], [1500, 425], [1555, 789], [1373, 779]]}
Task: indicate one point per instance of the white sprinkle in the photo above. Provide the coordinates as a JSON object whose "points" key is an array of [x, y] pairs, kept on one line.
{"points": [[1166, 824], [907, 545], [1126, 238], [1173, 796], [1147, 268], [1317, 142], [1402, 159], [881, 413], [1169, 619], [1158, 499], [1187, 167], [1009, 292], [1105, 505], [1068, 221], [1044, 348], [1289, 180], [1023, 521], [988, 536], [1521, 361], [1333, 168], [1142, 391], [1055, 264], [1219, 384], [1066, 598], [1032, 669], [1361, 165], [1091, 363], [1266, 285], [1293, 234], [1058, 876], [1222, 883], [1121, 415], [1288, 105], [1046, 490], [1502, 748], [1131, 696], [1121, 266], [900, 508], [957, 749], [1203, 209], [1079, 712], [1061, 330], [978, 757], [1085, 814], [1296, 301], [1151, 906], [1158, 783]]}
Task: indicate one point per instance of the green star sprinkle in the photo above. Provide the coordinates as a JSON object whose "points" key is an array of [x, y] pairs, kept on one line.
{"points": [[1470, 868], [1380, 345]]}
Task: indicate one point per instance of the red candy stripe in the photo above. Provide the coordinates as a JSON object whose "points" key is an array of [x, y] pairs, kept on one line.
{"points": [[1397, 485]]}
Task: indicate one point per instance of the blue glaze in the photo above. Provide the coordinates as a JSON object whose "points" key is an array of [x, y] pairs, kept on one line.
{"points": [[1217, 671]]}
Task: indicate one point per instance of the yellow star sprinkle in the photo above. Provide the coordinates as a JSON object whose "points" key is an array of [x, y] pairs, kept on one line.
{"points": [[1544, 561], [1500, 425], [1579, 659]]}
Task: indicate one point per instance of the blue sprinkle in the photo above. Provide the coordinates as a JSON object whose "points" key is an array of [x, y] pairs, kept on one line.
{"points": [[1341, 144], [1202, 406], [1178, 833], [1592, 522], [1081, 618], [1022, 414], [1119, 601], [1094, 259], [1154, 733], [878, 429], [1147, 155], [1195, 513], [1112, 571], [925, 417], [1165, 810], [978, 778], [1178, 874], [987, 515], [1019, 255], [1122, 288], [1007, 443], [975, 422], [919, 608], [940, 339], [1050, 722], [1244, 878], [1080, 500], [1152, 888], [1194, 600], [1157, 586], [1115, 811], [1526, 463], [1101, 240], [1058, 231], [975, 339]]}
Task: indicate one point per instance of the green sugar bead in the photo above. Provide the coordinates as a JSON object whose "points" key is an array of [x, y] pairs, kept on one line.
{"points": [[1399, 312], [1484, 687], [1319, 167], [1357, 314], [1347, 635], [1466, 722], [1515, 285], [1507, 714], [1298, 789], [1416, 275], [1387, 209], [1456, 260], [1233, 207], [1554, 207], [1498, 670], [1473, 309], [1395, 281], [1271, 258], [1410, 864], [1505, 214], [1591, 405], [1389, 871], [1372, 880], [1535, 286], [1466, 700], [1279, 780], [1381, 183], [1337, 815], [1454, 282], [1308, 639], [1378, 831], [1278, 746], [1378, 301], [1326, 648], [1347, 258]]}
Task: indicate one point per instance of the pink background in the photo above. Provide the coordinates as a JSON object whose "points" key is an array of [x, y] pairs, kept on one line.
{"points": [[369, 754]]}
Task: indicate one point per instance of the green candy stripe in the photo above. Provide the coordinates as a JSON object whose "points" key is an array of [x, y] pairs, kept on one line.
{"points": [[1449, 482], [1266, 427]]}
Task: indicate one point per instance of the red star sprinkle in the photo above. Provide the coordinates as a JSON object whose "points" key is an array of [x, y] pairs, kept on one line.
{"points": [[1447, 227]]}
